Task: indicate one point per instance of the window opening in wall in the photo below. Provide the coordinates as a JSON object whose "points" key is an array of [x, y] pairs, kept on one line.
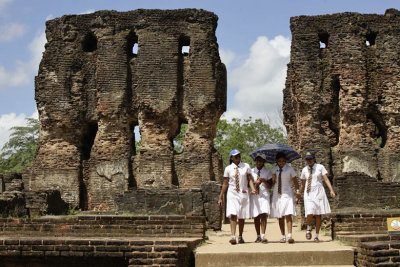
{"points": [[184, 44], [137, 139], [370, 38], [132, 44], [323, 39], [135, 49], [178, 141], [88, 140], [89, 43]]}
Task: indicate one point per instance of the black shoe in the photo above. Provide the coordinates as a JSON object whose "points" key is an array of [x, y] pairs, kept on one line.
{"points": [[258, 240], [240, 239]]}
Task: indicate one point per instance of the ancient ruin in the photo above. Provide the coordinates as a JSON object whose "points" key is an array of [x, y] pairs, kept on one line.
{"points": [[103, 74], [342, 94]]}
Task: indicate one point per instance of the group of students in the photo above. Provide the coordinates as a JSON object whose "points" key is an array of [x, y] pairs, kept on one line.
{"points": [[241, 205]]}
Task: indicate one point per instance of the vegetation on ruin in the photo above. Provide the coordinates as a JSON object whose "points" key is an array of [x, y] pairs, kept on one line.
{"points": [[20, 150]]}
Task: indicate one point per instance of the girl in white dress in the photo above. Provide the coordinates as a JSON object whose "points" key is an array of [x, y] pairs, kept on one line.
{"points": [[260, 203], [315, 200], [283, 205], [237, 177]]}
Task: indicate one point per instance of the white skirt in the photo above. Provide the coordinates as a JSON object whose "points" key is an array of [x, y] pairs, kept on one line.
{"points": [[237, 204], [282, 205], [260, 204], [316, 202]]}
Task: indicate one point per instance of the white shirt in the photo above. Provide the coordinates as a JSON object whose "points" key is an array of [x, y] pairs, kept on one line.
{"points": [[264, 173], [286, 176], [230, 172], [318, 171]]}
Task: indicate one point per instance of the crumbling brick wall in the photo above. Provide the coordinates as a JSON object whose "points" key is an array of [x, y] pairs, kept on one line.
{"points": [[93, 88], [342, 92]]}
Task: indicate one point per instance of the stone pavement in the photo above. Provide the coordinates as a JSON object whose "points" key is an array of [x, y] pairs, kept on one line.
{"points": [[218, 252]]}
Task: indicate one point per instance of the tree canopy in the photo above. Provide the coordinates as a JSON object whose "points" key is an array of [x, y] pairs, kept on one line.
{"points": [[20, 150], [245, 135]]}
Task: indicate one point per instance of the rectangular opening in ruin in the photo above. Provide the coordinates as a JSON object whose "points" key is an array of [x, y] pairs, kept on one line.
{"points": [[323, 39], [370, 38], [185, 50], [179, 140], [184, 44], [135, 49], [89, 43], [132, 44]]}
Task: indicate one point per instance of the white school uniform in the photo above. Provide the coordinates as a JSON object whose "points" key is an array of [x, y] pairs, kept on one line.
{"points": [[315, 202], [237, 203], [260, 203], [284, 204]]}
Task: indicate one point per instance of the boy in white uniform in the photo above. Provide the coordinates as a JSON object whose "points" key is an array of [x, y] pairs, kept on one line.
{"points": [[259, 203], [315, 200], [237, 177], [283, 206]]}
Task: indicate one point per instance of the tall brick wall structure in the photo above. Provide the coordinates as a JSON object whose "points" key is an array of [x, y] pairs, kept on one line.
{"points": [[94, 88], [343, 92]]}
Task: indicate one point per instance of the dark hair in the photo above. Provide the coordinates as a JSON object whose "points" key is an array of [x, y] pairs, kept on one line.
{"points": [[280, 155]]}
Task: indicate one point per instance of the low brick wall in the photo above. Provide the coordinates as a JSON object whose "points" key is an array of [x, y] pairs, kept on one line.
{"points": [[367, 232], [157, 225], [127, 252], [98, 239]]}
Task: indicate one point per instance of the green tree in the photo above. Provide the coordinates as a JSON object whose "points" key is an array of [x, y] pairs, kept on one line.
{"points": [[245, 135], [20, 150]]}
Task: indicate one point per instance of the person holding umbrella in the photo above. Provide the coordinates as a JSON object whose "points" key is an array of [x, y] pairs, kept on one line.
{"points": [[283, 205], [315, 200], [237, 177], [259, 203]]}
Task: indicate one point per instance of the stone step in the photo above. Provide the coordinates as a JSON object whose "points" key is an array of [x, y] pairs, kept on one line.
{"points": [[276, 258]]}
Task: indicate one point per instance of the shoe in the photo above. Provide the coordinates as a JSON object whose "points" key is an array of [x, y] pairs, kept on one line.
{"points": [[264, 241], [233, 241], [283, 240], [316, 240], [258, 240], [240, 239], [290, 240], [308, 235]]}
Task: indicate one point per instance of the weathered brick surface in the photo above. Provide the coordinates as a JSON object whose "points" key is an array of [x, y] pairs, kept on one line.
{"points": [[92, 90], [340, 99]]}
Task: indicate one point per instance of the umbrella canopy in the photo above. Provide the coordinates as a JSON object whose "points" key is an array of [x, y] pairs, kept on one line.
{"points": [[270, 151]]}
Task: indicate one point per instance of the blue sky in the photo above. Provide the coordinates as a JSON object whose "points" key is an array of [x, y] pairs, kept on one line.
{"points": [[253, 36]]}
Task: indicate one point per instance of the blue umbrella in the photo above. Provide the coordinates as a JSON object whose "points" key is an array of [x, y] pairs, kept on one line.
{"points": [[270, 151]]}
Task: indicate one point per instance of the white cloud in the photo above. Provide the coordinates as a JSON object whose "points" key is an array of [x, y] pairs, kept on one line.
{"points": [[3, 3], [260, 80], [11, 31], [7, 121], [227, 56], [24, 71]]}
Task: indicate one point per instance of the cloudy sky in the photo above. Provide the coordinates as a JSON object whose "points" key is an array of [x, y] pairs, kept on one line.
{"points": [[253, 36]]}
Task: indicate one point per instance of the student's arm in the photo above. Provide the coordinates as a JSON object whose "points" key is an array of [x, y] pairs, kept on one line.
{"points": [[250, 179], [296, 186], [223, 190], [328, 183]]}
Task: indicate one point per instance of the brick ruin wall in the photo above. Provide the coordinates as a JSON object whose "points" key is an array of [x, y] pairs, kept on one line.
{"points": [[94, 88], [343, 93]]}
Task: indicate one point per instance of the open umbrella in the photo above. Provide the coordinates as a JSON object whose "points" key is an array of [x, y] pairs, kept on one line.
{"points": [[270, 151]]}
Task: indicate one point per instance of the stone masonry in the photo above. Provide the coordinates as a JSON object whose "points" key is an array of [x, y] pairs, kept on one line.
{"points": [[342, 95], [104, 73]]}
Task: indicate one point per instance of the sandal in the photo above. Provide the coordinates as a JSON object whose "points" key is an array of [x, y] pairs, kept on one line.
{"points": [[308, 235], [264, 241], [290, 240], [316, 240], [283, 240], [233, 241]]}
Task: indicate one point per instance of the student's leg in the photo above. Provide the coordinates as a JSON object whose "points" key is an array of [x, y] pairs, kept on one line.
{"points": [[317, 223], [263, 222], [289, 223], [282, 225], [309, 226], [241, 226], [233, 224], [257, 224]]}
